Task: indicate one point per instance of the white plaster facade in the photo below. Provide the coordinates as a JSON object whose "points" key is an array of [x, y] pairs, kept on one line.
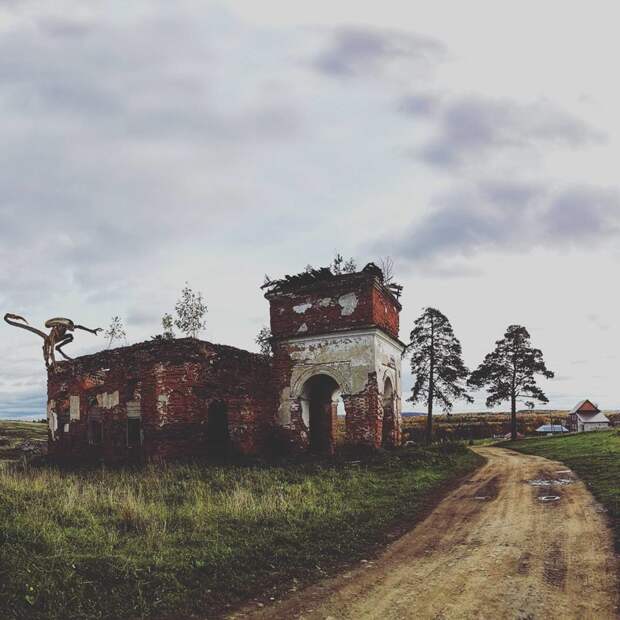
{"points": [[592, 422], [348, 358], [52, 418]]}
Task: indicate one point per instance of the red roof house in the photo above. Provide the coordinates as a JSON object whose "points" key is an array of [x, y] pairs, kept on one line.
{"points": [[586, 416]]}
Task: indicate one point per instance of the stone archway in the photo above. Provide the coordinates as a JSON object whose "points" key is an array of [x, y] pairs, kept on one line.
{"points": [[319, 402]]}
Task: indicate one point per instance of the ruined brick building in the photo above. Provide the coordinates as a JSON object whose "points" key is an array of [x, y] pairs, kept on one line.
{"points": [[334, 338]]}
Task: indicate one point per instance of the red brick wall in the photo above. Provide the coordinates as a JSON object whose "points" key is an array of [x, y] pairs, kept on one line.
{"points": [[302, 309], [385, 313], [364, 415], [318, 308], [176, 382]]}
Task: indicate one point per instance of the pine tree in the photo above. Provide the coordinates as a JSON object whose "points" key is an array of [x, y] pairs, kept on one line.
{"points": [[508, 373], [436, 364]]}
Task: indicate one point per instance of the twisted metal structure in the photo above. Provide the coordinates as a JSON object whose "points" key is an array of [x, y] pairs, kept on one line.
{"points": [[57, 338]]}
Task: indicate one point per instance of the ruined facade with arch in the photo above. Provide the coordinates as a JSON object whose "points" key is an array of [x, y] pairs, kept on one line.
{"points": [[337, 338], [334, 379]]}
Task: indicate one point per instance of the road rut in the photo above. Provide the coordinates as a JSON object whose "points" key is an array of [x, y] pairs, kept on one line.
{"points": [[491, 549]]}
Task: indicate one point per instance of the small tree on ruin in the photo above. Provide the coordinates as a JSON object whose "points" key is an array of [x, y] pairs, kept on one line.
{"points": [[167, 323], [387, 268], [340, 265], [115, 331], [508, 373], [436, 364], [190, 309], [263, 340]]}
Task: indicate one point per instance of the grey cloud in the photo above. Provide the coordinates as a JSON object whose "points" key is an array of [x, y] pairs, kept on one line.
{"points": [[63, 27], [598, 322], [357, 51], [583, 214], [510, 217], [472, 128], [519, 194], [30, 404], [144, 316], [109, 136], [419, 105], [158, 81]]}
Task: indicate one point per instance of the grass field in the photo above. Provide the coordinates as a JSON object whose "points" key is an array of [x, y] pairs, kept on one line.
{"points": [[595, 457], [190, 539], [483, 425], [14, 433]]}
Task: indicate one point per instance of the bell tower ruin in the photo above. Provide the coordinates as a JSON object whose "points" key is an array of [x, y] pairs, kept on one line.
{"points": [[335, 339]]}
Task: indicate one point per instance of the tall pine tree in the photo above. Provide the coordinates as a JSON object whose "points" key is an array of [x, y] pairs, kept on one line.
{"points": [[436, 364], [508, 373]]}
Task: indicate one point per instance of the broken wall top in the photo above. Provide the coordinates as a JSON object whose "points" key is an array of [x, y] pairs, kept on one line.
{"points": [[321, 302], [175, 351]]}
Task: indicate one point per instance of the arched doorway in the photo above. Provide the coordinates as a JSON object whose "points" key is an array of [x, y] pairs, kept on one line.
{"points": [[218, 437], [387, 430], [319, 402]]}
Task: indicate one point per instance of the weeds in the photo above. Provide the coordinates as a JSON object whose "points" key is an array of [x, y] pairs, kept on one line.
{"points": [[179, 539]]}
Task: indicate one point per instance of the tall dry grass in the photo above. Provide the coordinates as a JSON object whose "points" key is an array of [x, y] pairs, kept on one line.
{"points": [[190, 538]]}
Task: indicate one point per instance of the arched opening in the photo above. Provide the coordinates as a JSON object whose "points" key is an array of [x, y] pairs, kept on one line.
{"points": [[218, 436], [319, 411], [387, 429], [341, 420]]}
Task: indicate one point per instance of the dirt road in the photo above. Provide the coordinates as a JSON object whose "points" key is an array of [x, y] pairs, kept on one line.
{"points": [[491, 549]]}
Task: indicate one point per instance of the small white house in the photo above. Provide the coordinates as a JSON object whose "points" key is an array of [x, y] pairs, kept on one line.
{"points": [[586, 416], [552, 429]]}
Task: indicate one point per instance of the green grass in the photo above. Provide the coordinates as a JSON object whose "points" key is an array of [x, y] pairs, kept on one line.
{"points": [[595, 457], [14, 433], [177, 540]]}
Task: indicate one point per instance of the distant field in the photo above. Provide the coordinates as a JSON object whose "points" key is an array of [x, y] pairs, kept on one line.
{"points": [[594, 456], [190, 539], [483, 425], [14, 433]]}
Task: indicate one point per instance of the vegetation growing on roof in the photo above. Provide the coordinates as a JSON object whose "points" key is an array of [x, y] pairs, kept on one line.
{"points": [[338, 268]]}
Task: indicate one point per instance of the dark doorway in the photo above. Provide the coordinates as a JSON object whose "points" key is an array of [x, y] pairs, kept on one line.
{"points": [[95, 432], [318, 399], [134, 432], [218, 436]]}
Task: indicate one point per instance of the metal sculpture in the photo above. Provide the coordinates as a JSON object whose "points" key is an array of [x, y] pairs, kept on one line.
{"points": [[56, 339]]}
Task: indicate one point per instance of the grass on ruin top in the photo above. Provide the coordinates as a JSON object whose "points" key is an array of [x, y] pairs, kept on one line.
{"points": [[593, 456], [183, 539]]}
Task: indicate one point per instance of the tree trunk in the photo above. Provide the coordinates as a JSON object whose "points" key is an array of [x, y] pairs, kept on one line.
{"points": [[513, 400], [429, 420], [431, 388]]}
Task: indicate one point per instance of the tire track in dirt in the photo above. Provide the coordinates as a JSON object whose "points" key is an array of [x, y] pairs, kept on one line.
{"points": [[491, 549]]}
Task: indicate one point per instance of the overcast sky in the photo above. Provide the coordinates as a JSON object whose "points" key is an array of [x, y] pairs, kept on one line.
{"points": [[476, 143]]}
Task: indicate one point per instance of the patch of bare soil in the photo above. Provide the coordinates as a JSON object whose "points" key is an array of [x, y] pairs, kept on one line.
{"points": [[491, 549]]}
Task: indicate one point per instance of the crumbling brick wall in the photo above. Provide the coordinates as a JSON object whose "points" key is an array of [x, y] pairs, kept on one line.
{"points": [[345, 327], [348, 301], [364, 415], [170, 387], [187, 398]]}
